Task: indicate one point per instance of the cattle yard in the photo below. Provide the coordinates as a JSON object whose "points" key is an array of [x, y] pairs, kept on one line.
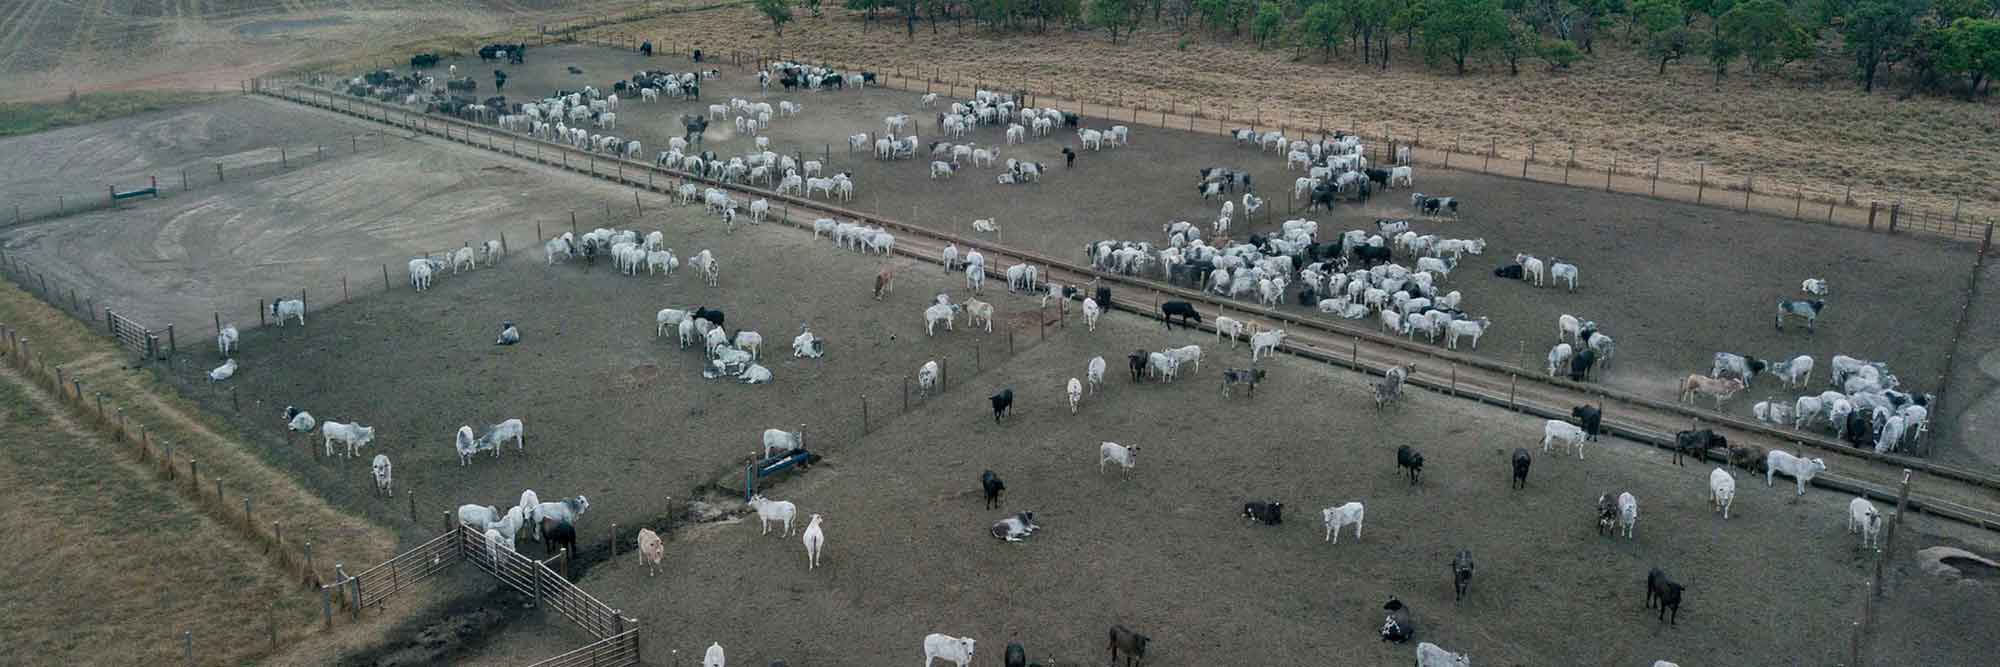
{"points": [[625, 418]]}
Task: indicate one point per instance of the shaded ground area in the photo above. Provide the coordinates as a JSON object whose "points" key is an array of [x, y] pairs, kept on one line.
{"points": [[1673, 283]]}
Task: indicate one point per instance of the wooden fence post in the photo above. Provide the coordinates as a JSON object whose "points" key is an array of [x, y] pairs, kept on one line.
{"points": [[1701, 180]]}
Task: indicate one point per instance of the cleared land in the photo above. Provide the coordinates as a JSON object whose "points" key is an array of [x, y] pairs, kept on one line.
{"points": [[1798, 130], [1673, 283]]}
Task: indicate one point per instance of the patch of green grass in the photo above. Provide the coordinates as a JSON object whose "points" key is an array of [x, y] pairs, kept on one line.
{"points": [[18, 118]]}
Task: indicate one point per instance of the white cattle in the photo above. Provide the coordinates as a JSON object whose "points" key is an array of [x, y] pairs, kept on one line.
{"points": [[651, 549], [781, 441], [955, 650], [1797, 467], [1091, 311], [225, 341], [354, 435], [1628, 513], [773, 510], [1265, 343], [1095, 373], [1556, 430], [927, 378], [1075, 391], [715, 656], [1431, 655], [1340, 515], [383, 475], [1721, 490], [815, 540], [1862, 518]]}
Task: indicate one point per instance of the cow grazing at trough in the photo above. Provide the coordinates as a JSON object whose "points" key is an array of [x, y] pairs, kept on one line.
{"points": [[782, 441], [1721, 490], [1748, 457], [1014, 528], [1181, 309], [1719, 388], [1132, 643], [1667, 593], [1696, 443], [1340, 515], [1003, 403], [1411, 459], [1521, 462], [1797, 467], [1269, 513], [1461, 574], [991, 486], [1398, 626], [651, 550], [1799, 309]]}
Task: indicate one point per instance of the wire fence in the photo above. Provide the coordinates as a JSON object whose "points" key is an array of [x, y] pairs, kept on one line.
{"points": [[1655, 175], [247, 165]]}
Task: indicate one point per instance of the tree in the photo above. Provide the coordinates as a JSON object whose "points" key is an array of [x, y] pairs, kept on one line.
{"points": [[1558, 53], [1112, 15], [1521, 40], [1460, 29], [1668, 38], [1213, 13], [1874, 30], [867, 9], [1764, 32], [1320, 26], [1368, 18], [813, 6], [1407, 19], [1971, 48], [1266, 24], [779, 11]]}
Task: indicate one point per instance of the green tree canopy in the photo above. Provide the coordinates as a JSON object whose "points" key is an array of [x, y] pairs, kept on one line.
{"points": [[1460, 29]]}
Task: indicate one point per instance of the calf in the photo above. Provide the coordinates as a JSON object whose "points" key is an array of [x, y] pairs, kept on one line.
{"points": [[1112, 452], [1235, 376], [1014, 528], [1668, 593], [1181, 309], [1267, 513], [1133, 643], [1461, 574], [1137, 362], [991, 485], [955, 650], [1862, 518], [1003, 403], [1521, 463], [1697, 444], [1559, 431], [1607, 515], [651, 549], [1411, 459], [1340, 515]]}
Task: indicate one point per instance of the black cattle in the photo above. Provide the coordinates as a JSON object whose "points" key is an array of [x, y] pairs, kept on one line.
{"points": [[1370, 255], [789, 82], [1697, 444], [1137, 360], [1309, 297], [498, 103], [692, 91], [1461, 574], [695, 125], [1017, 656], [619, 86], [1069, 157], [992, 486], [1133, 643], [423, 60], [1579, 364], [562, 535], [834, 81], [1509, 271], [1607, 515], [1521, 463], [1267, 513], [1181, 309], [1859, 428], [500, 79], [867, 78], [1398, 627], [1658, 587], [697, 55], [1379, 176], [1003, 403], [1435, 205], [646, 48], [1590, 418], [714, 317], [462, 83], [1322, 197], [1071, 120], [1412, 459]]}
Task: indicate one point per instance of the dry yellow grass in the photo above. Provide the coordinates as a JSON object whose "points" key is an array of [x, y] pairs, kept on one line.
{"points": [[191, 564], [1786, 133]]}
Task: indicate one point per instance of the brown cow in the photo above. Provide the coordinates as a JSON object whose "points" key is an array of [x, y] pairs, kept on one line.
{"points": [[885, 281], [1720, 388]]}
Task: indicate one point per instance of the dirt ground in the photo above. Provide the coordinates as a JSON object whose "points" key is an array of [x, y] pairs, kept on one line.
{"points": [[1648, 267], [1807, 125]]}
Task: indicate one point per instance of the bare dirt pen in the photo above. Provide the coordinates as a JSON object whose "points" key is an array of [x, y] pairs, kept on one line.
{"points": [[1791, 132], [1673, 283], [224, 247]]}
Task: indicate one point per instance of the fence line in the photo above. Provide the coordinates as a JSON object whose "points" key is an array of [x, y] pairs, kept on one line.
{"points": [[24, 209], [1643, 175]]}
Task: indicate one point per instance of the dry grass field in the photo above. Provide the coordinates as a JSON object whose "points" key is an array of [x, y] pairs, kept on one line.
{"points": [[1786, 131]]}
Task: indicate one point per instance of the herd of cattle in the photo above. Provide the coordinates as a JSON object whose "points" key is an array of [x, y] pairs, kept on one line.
{"points": [[1353, 275]]}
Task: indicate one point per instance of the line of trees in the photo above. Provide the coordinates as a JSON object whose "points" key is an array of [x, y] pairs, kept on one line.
{"points": [[1933, 45]]}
